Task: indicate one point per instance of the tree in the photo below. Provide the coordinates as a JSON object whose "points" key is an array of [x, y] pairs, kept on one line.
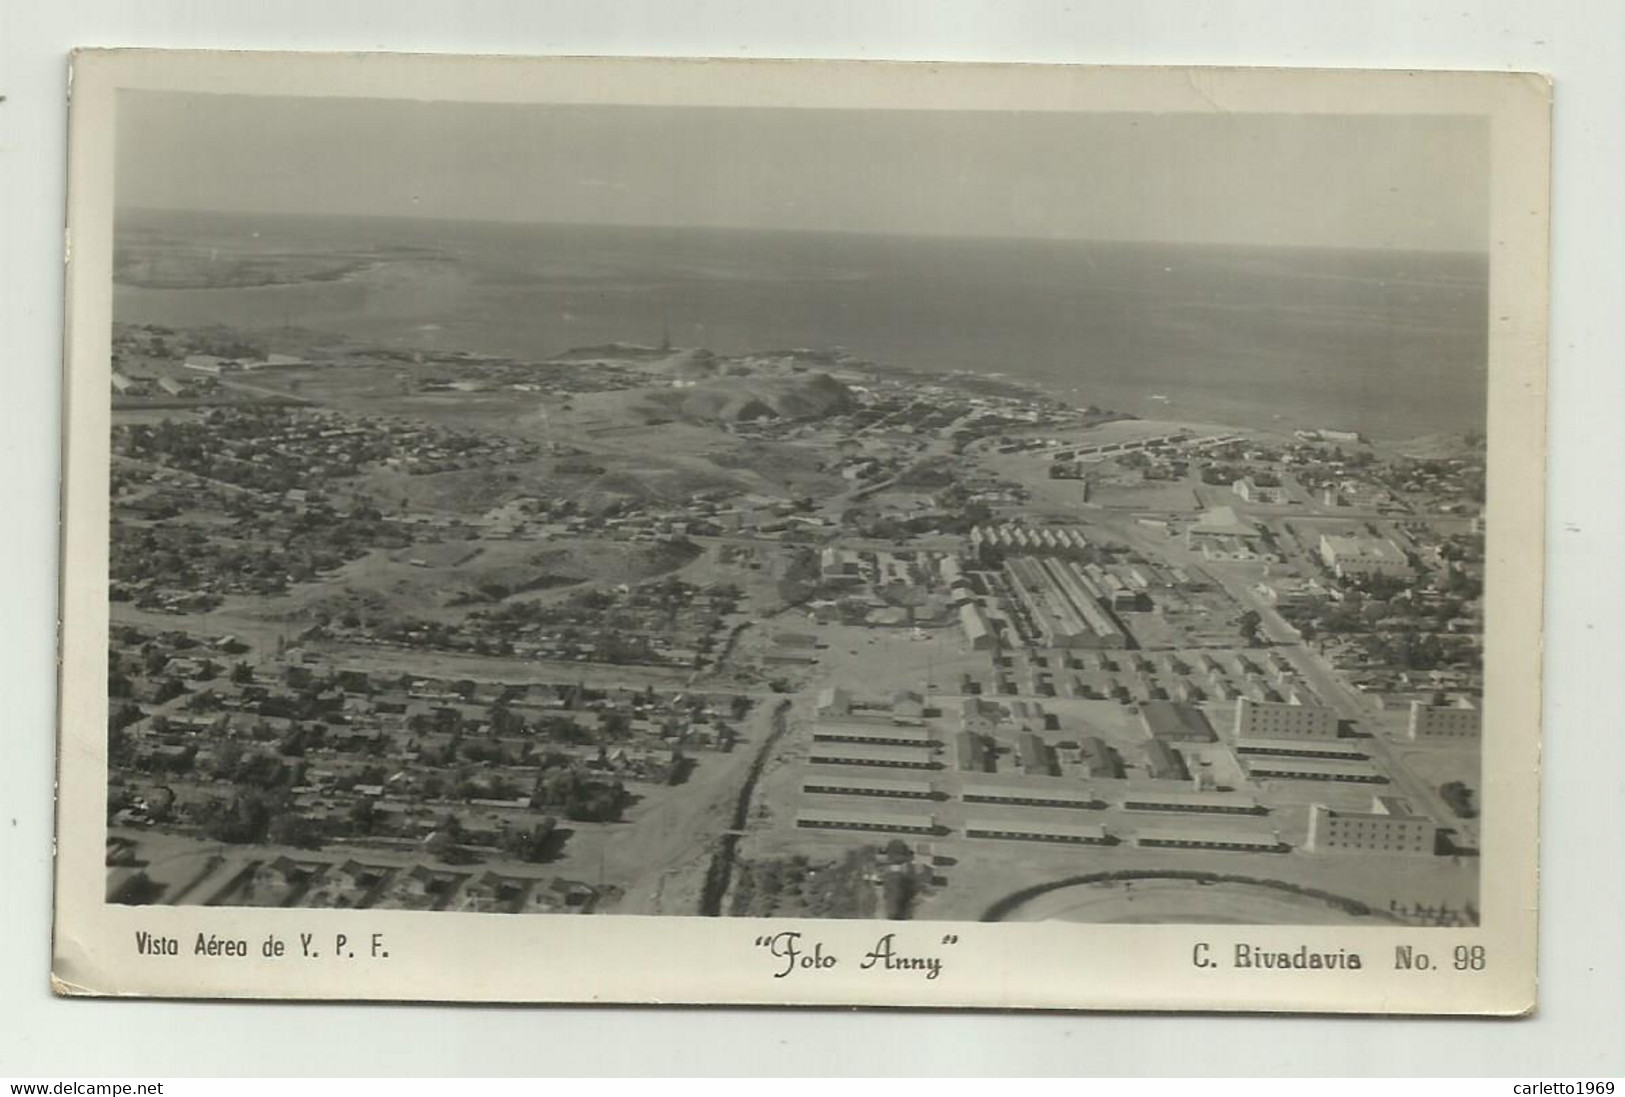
{"points": [[1249, 624], [242, 674], [363, 817], [898, 889], [290, 829], [125, 715], [246, 821], [501, 719], [169, 689], [533, 845], [227, 757], [1460, 799], [898, 852], [262, 771], [153, 659]]}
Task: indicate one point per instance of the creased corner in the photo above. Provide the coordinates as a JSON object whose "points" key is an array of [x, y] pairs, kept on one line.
{"points": [[64, 988]]}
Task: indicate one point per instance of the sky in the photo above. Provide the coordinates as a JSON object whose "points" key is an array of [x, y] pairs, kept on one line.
{"points": [[1404, 182]]}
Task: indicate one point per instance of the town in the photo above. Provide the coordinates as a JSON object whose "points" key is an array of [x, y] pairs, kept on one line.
{"points": [[638, 629]]}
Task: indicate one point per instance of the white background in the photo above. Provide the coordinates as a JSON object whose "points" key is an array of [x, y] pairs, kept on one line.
{"points": [[1578, 1031]]}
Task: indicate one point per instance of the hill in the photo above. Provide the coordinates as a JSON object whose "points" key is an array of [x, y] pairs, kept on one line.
{"points": [[743, 400]]}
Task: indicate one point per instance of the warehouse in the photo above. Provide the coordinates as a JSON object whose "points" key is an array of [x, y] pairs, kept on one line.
{"points": [[1164, 763], [1193, 803], [841, 784], [864, 821], [1175, 722], [978, 635], [1037, 759], [1062, 604], [1205, 839], [973, 752], [889, 734], [1312, 769], [870, 754], [1036, 796], [1099, 759], [1037, 832]]}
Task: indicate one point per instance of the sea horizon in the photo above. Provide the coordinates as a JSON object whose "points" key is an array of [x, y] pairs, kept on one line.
{"points": [[1389, 343]]}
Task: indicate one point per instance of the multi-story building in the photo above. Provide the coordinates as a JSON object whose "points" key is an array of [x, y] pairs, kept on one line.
{"points": [[1254, 492], [1362, 556], [1435, 723], [1389, 827], [1284, 720], [1354, 493]]}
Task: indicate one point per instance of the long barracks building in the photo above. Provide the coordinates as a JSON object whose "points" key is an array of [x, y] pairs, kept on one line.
{"points": [[1233, 841], [809, 819], [1312, 769], [843, 784], [897, 735], [1033, 794], [871, 754], [1188, 803], [1030, 831]]}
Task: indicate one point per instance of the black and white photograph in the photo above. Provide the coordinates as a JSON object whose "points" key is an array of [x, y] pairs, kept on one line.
{"points": [[809, 514]]}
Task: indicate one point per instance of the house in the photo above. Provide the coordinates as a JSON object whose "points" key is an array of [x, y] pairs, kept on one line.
{"points": [[208, 363], [560, 896], [280, 873], [490, 892], [834, 701], [355, 876], [978, 715], [419, 885], [907, 706]]}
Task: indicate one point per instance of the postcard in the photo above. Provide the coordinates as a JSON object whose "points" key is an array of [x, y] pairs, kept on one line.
{"points": [[802, 533]]}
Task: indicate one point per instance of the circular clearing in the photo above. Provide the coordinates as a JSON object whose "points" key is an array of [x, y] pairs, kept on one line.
{"points": [[1176, 901]]}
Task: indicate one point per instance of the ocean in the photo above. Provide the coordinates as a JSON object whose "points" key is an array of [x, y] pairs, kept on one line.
{"points": [[1392, 344]]}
